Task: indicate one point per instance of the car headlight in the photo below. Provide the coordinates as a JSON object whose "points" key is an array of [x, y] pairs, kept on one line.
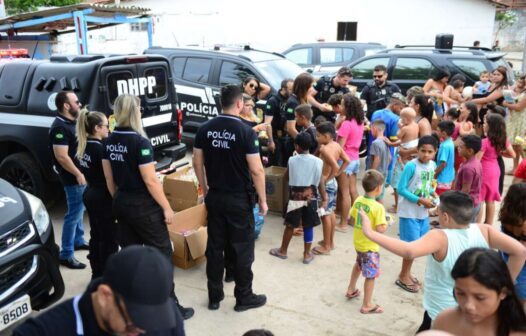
{"points": [[39, 214]]}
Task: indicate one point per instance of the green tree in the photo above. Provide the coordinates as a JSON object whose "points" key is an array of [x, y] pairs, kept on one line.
{"points": [[21, 6], [504, 20]]}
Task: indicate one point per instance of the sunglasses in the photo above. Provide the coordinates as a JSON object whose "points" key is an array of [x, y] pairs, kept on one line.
{"points": [[378, 76], [253, 86]]}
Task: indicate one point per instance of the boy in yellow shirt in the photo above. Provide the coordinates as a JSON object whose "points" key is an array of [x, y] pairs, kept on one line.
{"points": [[367, 251]]}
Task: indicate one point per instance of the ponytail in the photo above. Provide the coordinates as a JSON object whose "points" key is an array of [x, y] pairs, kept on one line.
{"points": [[85, 127]]}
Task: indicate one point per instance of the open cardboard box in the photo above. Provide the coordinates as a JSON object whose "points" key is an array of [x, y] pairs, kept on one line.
{"points": [[180, 192], [189, 236], [276, 188]]}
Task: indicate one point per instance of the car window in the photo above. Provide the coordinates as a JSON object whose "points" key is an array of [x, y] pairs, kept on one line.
{"points": [[12, 81], [233, 73], [364, 69], [197, 69], [275, 71], [300, 56], [113, 79], [412, 68], [178, 66], [472, 68], [161, 83], [335, 55]]}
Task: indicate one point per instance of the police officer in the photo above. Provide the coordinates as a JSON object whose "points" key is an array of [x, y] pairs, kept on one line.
{"points": [[325, 87], [378, 93], [132, 297], [63, 145], [275, 115], [139, 204], [228, 149], [92, 128]]}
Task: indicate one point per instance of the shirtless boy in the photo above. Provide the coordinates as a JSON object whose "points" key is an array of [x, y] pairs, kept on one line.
{"points": [[407, 139], [331, 153]]}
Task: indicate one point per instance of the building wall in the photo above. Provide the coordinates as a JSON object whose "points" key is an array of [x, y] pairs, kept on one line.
{"points": [[275, 25], [513, 38]]}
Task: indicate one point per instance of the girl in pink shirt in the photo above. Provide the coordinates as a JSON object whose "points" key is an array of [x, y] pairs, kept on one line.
{"points": [[350, 137]]}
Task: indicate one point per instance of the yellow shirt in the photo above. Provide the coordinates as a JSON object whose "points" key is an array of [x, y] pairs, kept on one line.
{"points": [[376, 213]]}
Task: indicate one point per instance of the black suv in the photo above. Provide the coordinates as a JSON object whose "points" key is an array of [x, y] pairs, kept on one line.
{"points": [[199, 74], [27, 105], [324, 58], [414, 65], [29, 269]]}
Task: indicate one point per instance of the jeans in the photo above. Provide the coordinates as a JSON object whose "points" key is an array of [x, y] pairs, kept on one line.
{"points": [[73, 229]]}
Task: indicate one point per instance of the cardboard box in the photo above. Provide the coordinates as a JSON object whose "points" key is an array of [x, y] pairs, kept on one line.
{"points": [[189, 236], [182, 190], [276, 188]]}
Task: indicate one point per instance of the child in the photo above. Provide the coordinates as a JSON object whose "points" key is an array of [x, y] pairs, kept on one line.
{"points": [[453, 93], [492, 146], [443, 246], [512, 215], [481, 87], [367, 256], [379, 152], [303, 113], [335, 101], [407, 138], [487, 303], [469, 176], [350, 137], [415, 190], [304, 171], [445, 172], [452, 114], [330, 153]]}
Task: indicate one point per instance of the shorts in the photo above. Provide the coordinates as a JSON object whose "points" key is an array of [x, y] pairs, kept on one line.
{"points": [[353, 168], [302, 207], [442, 187], [397, 173], [369, 264], [331, 187], [412, 229]]}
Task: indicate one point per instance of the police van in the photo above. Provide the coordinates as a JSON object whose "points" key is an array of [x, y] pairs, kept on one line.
{"points": [[200, 73], [27, 108]]}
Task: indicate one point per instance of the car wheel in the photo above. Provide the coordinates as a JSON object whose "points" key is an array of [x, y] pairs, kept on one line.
{"points": [[21, 170]]}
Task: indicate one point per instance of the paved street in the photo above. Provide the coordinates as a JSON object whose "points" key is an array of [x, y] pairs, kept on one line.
{"points": [[302, 299]]}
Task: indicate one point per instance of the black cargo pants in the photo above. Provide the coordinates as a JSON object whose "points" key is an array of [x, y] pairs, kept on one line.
{"points": [[230, 224], [141, 222], [103, 230]]}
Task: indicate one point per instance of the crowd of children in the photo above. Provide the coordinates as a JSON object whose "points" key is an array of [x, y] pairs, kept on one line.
{"points": [[451, 174]]}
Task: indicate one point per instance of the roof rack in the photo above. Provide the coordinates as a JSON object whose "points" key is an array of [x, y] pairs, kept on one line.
{"points": [[432, 46]]}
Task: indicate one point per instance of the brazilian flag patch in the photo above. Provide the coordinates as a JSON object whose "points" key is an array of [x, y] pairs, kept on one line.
{"points": [[269, 107], [59, 136], [256, 142], [145, 152], [289, 110]]}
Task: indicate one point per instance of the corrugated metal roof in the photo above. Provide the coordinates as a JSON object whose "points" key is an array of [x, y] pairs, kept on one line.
{"points": [[100, 10]]}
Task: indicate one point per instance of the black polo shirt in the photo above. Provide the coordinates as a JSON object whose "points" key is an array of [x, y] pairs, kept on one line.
{"points": [[127, 151], [325, 88], [91, 163], [225, 142], [276, 108], [62, 133], [62, 320], [292, 102], [376, 97]]}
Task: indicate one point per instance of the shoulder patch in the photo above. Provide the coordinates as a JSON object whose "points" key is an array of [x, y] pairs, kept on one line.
{"points": [[269, 107], [59, 136], [145, 152], [290, 110], [256, 142]]}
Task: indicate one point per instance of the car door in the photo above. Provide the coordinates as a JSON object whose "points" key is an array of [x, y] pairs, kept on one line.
{"points": [[410, 70]]}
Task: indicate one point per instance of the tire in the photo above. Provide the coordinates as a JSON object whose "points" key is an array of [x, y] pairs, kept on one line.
{"points": [[21, 170]]}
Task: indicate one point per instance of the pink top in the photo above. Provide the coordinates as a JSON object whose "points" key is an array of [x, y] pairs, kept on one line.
{"points": [[353, 134]]}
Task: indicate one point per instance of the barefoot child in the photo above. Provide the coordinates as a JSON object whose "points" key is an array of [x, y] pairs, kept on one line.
{"points": [[330, 153], [367, 252], [415, 189], [379, 152], [469, 176], [445, 172], [305, 179], [407, 138], [443, 247]]}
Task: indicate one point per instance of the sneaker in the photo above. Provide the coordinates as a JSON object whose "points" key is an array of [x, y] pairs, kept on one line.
{"points": [[252, 301], [186, 313], [214, 305], [72, 263], [84, 247]]}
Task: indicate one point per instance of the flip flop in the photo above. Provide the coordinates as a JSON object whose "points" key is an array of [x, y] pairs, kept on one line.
{"points": [[316, 250], [276, 253], [322, 243], [415, 281], [340, 229], [353, 295], [309, 259], [412, 288], [375, 310]]}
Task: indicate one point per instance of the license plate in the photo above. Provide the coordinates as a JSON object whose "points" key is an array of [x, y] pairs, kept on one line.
{"points": [[15, 311]]}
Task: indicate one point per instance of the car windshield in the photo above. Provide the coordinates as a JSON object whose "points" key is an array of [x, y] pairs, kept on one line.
{"points": [[275, 71]]}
